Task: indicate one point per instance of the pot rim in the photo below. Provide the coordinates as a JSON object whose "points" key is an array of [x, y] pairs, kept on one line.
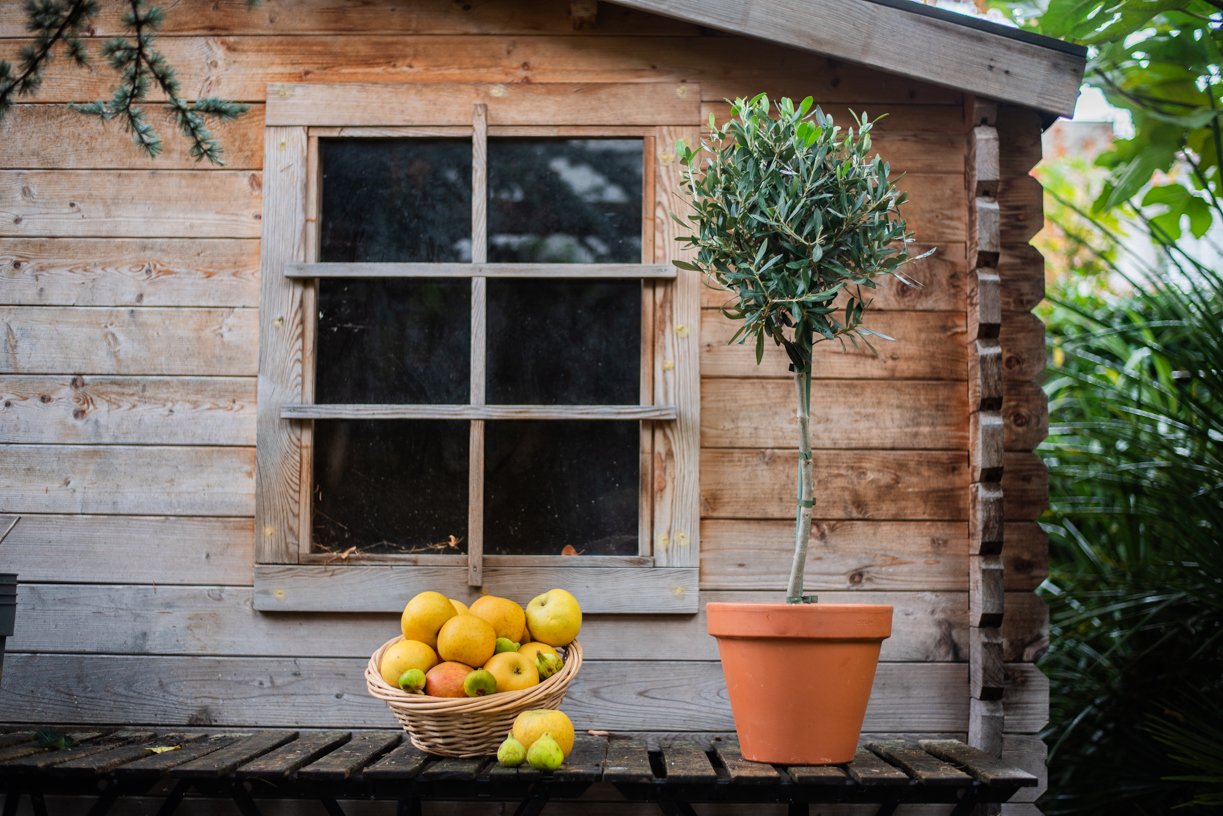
{"points": [[741, 619]]}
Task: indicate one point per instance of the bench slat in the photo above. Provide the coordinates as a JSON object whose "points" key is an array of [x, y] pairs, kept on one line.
{"points": [[16, 738], [923, 767], [26, 749], [108, 761], [42, 761], [405, 762], [819, 775], [742, 771], [226, 761], [153, 766], [453, 769], [349, 759], [585, 761], [868, 769], [978, 764], [497, 772], [297, 754], [687, 764], [627, 762]]}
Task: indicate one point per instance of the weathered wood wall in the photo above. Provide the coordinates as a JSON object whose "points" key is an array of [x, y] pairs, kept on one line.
{"points": [[129, 297]]}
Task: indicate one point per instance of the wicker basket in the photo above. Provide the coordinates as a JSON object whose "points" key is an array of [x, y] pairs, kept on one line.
{"points": [[468, 727]]}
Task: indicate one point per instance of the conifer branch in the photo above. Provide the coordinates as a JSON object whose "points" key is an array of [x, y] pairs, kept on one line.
{"points": [[51, 22]]}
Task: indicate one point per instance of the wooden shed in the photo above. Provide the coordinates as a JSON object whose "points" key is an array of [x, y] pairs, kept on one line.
{"points": [[236, 454]]}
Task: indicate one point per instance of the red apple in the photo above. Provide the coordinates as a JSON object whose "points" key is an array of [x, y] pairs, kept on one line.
{"points": [[446, 679]]}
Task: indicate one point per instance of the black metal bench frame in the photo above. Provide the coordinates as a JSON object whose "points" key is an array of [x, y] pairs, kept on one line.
{"points": [[329, 767]]}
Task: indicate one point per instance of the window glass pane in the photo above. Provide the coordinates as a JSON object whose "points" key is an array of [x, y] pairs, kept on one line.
{"points": [[390, 486], [552, 484], [394, 340], [564, 342], [564, 200], [396, 200]]}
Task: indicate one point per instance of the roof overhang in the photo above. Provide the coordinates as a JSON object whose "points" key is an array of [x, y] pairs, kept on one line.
{"points": [[905, 38]]}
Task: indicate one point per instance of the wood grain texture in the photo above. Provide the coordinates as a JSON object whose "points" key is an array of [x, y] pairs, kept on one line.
{"points": [[983, 162], [984, 768], [1025, 415], [1025, 486], [278, 488], [985, 591], [1021, 206], [985, 519], [153, 341], [289, 758], [1022, 270], [241, 67], [1023, 346], [330, 693], [986, 720], [677, 454], [985, 375], [540, 17], [845, 414], [388, 589], [442, 103], [878, 485], [128, 479], [130, 203], [347, 760], [985, 675], [129, 272], [984, 304], [985, 446], [1029, 753], [217, 620], [984, 230], [686, 763], [852, 555], [130, 549], [127, 410], [903, 43], [928, 346], [917, 763], [34, 139]]}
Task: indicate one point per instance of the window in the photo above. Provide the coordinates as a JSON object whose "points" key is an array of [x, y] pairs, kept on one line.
{"points": [[478, 367]]}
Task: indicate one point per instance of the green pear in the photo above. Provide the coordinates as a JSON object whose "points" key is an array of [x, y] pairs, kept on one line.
{"points": [[545, 754], [479, 683], [412, 681], [511, 754], [505, 645], [547, 664]]}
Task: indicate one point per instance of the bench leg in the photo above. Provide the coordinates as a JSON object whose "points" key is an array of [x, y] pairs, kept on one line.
{"points": [[331, 806], [536, 801], [175, 798], [887, 809], [12, 797], [38, 804], [242, 798], [105, 801]]}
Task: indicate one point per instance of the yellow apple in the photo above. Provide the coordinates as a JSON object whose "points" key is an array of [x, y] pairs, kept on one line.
{"points": [[531, 725], [404, 655], [513, 671], [466, 639], [507, 617], [424, 615], [554, 617]]}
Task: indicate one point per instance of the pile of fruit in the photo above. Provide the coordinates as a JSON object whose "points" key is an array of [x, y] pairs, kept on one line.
{"points": [[451, 650]]}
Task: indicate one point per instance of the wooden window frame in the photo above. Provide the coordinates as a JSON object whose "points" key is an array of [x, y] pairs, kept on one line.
{"points": [[663, 577]]}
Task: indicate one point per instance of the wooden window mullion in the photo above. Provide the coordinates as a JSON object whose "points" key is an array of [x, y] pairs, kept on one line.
{"points": [[479, 308]]}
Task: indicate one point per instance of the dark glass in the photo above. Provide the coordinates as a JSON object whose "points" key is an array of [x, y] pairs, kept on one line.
{"points": [[394, 340], [564, 342], [396, 200], [552, 484], [389, 486], [564, 200]]}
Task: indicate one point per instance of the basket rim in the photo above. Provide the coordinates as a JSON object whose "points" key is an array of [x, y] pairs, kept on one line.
{"points": [[417, 703]]}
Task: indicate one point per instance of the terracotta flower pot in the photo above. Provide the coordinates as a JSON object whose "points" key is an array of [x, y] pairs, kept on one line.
{"points": [[799, 676]]}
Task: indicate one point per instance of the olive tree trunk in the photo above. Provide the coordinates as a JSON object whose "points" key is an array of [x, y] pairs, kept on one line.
{"points": [[806, 486]]}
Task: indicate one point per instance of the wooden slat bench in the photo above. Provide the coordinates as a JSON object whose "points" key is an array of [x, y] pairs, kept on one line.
{"points": [[336, 765]]}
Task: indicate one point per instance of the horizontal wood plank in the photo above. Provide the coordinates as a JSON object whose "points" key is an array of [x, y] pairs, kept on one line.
{"points": [[130, 203], [501, 412], [36, 138], [926, 346], [129, 272], [901, 118], [127, 410], [425, 103], [241, 67], [878, 485], [130, 549], [72, 340], [215, 620], [539, 17], [129, 479], [330, 693], [388, 589], [851, 555], [845, 414], [471, 270]]}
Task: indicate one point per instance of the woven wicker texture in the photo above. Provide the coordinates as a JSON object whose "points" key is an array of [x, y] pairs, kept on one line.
{"points": [[473, 726]]}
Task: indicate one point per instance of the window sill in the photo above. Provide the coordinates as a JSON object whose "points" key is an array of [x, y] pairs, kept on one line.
{"points": [[388, 588]]}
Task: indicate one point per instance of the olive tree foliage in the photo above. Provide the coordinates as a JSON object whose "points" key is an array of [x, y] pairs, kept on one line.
{"points": [[796, 221], [62, 24]]}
